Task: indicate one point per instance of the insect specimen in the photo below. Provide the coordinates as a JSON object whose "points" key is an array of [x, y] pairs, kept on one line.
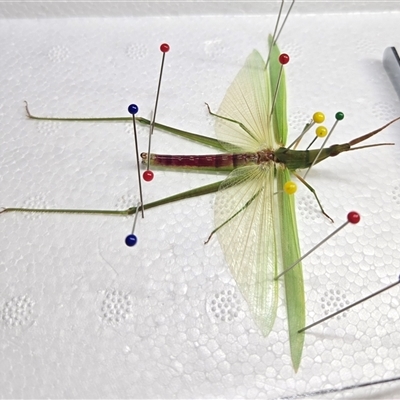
{"points": [[254, 216]]}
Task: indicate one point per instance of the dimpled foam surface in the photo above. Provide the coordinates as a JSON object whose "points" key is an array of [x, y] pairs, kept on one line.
{"points": [[82, 315]]}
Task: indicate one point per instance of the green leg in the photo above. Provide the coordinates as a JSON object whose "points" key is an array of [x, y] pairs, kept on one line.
{"points": [[194, 137], [312, 190], [231, 120], [187, 135], [211, 188], [233, 216], [94, 119]]}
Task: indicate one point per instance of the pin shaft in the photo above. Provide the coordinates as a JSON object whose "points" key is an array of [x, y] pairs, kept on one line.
{"points": [[342, 389], [312, 142], [306, 129], [320, 150], [276, 91], [275, 30], [138, 162], [139, 205], [350, 306], [284, 21], [153, 120], [276, 33], [314, 248]]}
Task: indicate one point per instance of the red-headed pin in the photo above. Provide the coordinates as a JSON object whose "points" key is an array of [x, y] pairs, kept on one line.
{"points": [[149, 175], [164, 48], [283, 59], [352, 218]]}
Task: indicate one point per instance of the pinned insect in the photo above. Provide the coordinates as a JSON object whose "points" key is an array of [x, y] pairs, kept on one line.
{"points": [[254, 210]]}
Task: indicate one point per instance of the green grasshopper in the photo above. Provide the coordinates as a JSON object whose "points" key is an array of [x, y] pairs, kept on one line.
{"points": [[255, 218]]}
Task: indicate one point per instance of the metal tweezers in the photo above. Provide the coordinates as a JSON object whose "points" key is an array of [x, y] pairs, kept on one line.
{"points": [[391, 62]]}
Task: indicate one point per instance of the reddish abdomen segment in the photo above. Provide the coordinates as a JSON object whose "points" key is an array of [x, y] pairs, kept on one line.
{"points": [[225, 162]]}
